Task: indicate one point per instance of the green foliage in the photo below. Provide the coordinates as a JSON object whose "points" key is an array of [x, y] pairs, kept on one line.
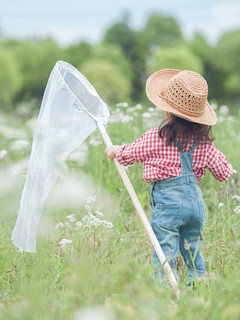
{"points": [[109, 80], [225, 60], [232, 84], [227, 51], [78, 53], [160, 31], [131, 53], [35, 61], [114, 54], [177, 58], [122, 35], [10, 79], [199, 47]]}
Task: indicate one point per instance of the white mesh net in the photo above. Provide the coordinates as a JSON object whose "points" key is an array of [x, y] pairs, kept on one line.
{"points": [[64, 122]]}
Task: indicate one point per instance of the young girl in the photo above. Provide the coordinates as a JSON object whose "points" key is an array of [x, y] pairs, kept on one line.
{"points": [[174, 159]]}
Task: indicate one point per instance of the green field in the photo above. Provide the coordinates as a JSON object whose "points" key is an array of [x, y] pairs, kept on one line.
{"points": [[104, 266]]}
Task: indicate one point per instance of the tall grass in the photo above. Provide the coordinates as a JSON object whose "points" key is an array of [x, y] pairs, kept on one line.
{"points": [[93, 258]]}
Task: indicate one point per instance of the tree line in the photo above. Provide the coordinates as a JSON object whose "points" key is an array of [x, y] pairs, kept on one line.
{"points": [[119, 64]]}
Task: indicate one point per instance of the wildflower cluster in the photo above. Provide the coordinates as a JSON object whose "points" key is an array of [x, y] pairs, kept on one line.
{"points": [[84, 226]]}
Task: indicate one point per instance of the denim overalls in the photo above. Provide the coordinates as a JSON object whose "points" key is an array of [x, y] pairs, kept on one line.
{"points": [[178, 213]]}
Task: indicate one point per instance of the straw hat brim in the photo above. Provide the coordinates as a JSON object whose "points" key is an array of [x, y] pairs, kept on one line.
{"points": [[157, 83]]}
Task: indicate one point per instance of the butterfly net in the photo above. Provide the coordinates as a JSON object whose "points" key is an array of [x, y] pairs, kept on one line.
{"points": [[69, 110]]}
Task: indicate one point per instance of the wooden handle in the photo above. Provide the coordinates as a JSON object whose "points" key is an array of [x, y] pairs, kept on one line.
{"points": [[171, 278]]}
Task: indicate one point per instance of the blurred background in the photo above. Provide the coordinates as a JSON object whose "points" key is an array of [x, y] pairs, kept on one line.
{"points": [[116, 45]]}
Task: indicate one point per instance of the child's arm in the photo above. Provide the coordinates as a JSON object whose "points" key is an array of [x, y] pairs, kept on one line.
{"points": [[135, 151], [218, 164]]}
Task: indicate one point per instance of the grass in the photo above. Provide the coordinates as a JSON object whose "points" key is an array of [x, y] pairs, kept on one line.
{"points": [[108, 270]]}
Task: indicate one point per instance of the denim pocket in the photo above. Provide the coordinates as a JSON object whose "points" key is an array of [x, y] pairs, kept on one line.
{"points": [[167, 215]]}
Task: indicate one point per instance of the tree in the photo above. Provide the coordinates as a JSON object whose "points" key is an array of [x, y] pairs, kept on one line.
{"points": [[10, 81], [178, 57], [122, 35], [160, 31], [110, 82], [115, 55], [78, 53], [199, 47], [35, 61], [225, 60]]}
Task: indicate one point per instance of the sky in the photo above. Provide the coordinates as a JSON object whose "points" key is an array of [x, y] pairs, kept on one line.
{"points": [[70, 21]]}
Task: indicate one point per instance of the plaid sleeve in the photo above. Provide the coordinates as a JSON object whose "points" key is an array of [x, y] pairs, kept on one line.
{"points": [[218, 165], [135, 151]]}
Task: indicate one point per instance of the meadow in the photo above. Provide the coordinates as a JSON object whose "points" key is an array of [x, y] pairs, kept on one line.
{"points": [[93, 257]]}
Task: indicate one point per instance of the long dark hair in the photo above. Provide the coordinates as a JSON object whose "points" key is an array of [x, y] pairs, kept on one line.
{"points": [[175, 127]]}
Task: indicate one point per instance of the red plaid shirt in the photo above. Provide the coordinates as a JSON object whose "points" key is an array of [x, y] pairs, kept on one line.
{"points": [[161, 161]]}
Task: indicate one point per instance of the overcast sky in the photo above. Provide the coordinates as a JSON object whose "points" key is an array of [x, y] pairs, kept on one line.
{"points": [[73, 20]]}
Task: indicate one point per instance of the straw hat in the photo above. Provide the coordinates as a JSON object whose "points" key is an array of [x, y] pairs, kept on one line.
{"points": [[182, 93]]}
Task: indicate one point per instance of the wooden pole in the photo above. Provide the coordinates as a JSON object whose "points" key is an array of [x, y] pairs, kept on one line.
{"points": [[171, 278]]}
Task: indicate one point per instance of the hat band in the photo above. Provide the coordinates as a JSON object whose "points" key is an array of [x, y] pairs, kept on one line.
{"points": [[181, 109]]}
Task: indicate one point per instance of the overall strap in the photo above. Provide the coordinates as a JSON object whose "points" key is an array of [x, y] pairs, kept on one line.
{"points": [[186, 159], [193, 147], [178, 145], [180, 148]]}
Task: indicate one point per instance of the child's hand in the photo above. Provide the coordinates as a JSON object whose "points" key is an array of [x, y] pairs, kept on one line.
{"points": [[111, 152]]}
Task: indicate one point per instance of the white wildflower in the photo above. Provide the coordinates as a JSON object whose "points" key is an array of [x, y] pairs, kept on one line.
{"points": [[79, 224], [98, 221], [135, 108], [126, 119], [224, 110], [71, 218], [122, 105], [110, 225], [236, 197], [94, 313], [107, 224], [85, 219], [231, 118], [87, 207], [12, 133], [65, 242], [100, 214], [214, 106], [3, 153], [116, 117], [68, 225], [59, 226], [220, 205], [146, 115], [237, 210], [221, 119], [19, 145], [80, 155], [91, 199], [90, 214], [86, 226], [151, 109], [95, 141], [92, 223]]}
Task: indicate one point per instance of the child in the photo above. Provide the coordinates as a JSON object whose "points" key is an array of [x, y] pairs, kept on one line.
{"points": [[174, 159]]}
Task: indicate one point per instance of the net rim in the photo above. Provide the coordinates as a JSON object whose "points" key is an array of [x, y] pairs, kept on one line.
{"points": [[63, 65]]}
